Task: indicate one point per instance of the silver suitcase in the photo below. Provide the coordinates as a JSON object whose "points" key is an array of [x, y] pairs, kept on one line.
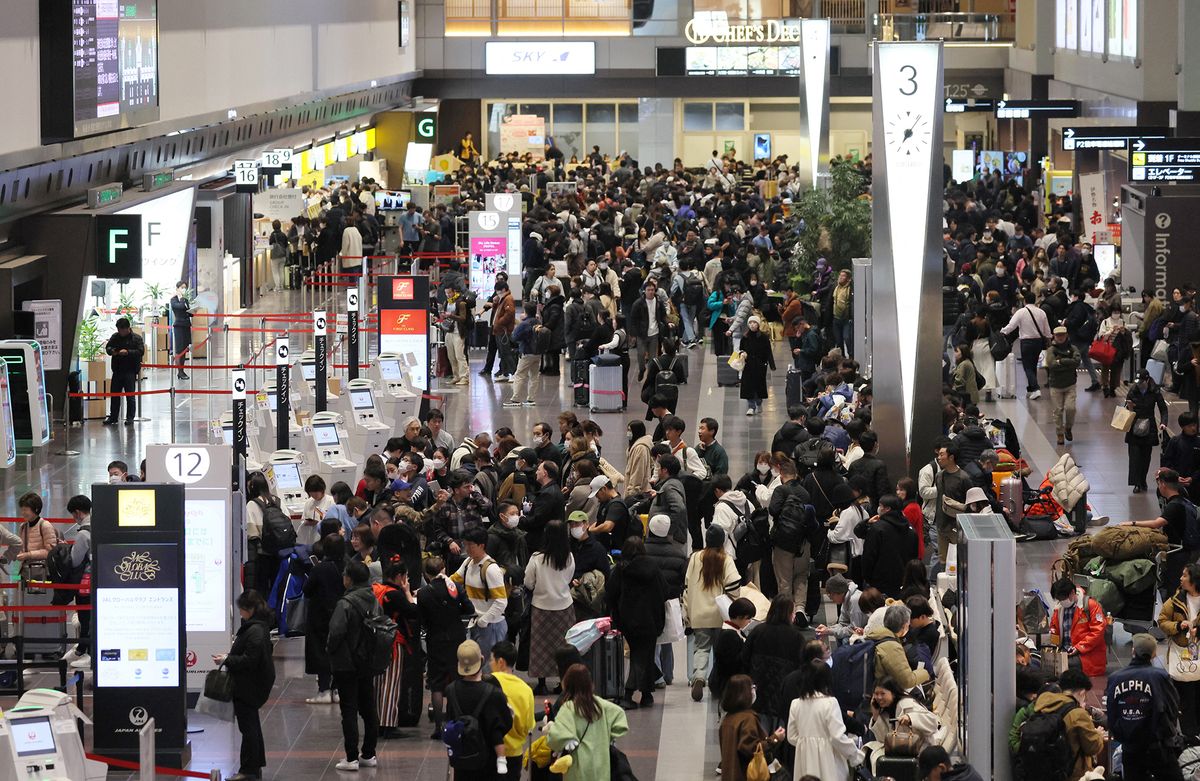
{"points": [[1012, 497], [605, 388]]}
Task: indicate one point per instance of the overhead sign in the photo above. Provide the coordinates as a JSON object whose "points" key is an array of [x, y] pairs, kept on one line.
{"points": [[714, 26], [1108, 137], [1026, 109], [969, 105], [536, 58], [1164, 160], [283, 204], [1094, 204], [245, 175], [118, 246], [427, 127]]}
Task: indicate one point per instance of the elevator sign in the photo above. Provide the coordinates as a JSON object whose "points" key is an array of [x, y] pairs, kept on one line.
{"points": [[1164, 160]]}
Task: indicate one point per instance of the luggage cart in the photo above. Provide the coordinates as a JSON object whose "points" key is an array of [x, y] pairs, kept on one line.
{"points": [[1140, 612]]}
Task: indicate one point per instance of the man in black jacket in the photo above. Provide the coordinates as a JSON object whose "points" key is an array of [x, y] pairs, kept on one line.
{"points": [[871, 467], [1080, 320], [549, 504], [889, 543], [646, 329], [791, 552], [355, 683], [1143, 713], [791, 433], [126, 349]]}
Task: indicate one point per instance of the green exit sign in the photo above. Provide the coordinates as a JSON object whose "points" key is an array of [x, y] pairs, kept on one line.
{"points": [[104, 195], [157, 180]]}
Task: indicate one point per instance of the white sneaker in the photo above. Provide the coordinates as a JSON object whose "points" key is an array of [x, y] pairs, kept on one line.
{"points": [[347, 766], [82, 663], [368, 761], [322, 698], [336, 698], [750, 411], [1037, 394]]}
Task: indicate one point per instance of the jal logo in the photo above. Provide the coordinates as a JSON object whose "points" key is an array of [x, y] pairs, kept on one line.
{"points": [[1162, 221], [191, 660], [138, 716], [540, 56], [138, 566], [488, 221]]}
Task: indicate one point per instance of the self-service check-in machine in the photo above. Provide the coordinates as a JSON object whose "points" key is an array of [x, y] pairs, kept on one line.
{"points": [[396, 399], [286, 472], [304, 377], [8, 437], [331, 445], [40, 741], [254, 457], [265, 406], [27, 387], [368, 433]]}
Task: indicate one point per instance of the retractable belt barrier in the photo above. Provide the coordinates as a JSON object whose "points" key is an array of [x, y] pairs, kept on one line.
{"points": [[164, 771]]}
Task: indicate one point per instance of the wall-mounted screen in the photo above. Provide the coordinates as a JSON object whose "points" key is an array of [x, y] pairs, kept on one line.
{"points": [[99, 62]]}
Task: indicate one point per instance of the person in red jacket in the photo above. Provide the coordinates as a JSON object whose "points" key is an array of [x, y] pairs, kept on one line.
{"points": [[1077, 626], [906, 489]]}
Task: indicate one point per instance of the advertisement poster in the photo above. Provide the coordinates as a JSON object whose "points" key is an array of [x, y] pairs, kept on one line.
{"points": [[991, 160], [509, 206], [404, 324], [137, 599], [204, 530], [488, 255], [523, 133], [963, 165], [166, 223], [1093, 206], [445, 194], [47, 330]]}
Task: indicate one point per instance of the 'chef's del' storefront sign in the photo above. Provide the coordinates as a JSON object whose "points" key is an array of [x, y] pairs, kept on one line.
{"points": [[714, 27]]}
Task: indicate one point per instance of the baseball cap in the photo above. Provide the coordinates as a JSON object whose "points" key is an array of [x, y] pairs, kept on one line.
{"points": [[401, 485], [578, 516], [470, 658], [1062, 329], [1144, 645], [598, 482], [528, 455]]}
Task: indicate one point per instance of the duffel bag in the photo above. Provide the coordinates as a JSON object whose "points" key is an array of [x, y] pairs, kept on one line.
{"points": [[1132, 577], [1095, 567], [1107, 594], [1040, 527], [1125, 543]]}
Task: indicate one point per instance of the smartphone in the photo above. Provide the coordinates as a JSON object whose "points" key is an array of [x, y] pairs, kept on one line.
{"points": [[434, 487]]}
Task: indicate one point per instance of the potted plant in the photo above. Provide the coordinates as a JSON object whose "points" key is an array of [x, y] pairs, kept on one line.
{"points": [[155, 313], [90, 347]]}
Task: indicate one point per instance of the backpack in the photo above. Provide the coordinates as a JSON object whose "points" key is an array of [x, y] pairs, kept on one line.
{"points": [[463, 735], [797, 524], [854, 674], [752, 537], [59, 567], [1191, 526], [278, 534], [693, 291], [1044, 750], [585, 327], [377, 641], [511, 490], [665, 377]]}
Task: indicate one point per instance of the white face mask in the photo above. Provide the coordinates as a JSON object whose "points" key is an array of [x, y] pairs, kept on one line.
{"points": [[115, 479], [511, 521], [1066, 604], [436, 463], [774, 472], [763, 468], [577, 532]]}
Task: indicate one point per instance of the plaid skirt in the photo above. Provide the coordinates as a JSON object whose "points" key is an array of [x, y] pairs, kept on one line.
{"points": [[547, 630]]}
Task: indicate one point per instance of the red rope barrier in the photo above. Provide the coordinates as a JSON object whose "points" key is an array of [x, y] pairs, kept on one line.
{"points": [[166, 771], [99, 395], [49, 585], [49, 520], [42, 608]]}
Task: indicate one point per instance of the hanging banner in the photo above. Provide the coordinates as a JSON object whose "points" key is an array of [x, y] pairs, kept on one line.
{"points": [[47, 330], [1093, 206], [404, 323]]}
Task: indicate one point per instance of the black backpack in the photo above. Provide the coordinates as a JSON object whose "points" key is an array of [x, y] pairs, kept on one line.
{"points": [[797, 524], [59, 567], [463, 735], [693, 291], [1044, 751], [585, 328], [751, 537], [376, 640], [278, 534]]}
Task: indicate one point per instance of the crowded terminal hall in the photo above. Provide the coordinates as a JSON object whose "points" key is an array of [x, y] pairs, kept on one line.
{"points": [[806, 391]]}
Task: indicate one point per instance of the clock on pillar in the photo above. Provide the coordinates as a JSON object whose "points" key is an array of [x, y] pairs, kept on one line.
{"points": [[907, 264]]}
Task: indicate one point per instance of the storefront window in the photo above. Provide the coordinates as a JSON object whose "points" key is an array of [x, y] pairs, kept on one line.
{"points": [[627, 116], [602, 127], [496, 112], [582, 18], [697, 117], [568, 129], [731, 116]]}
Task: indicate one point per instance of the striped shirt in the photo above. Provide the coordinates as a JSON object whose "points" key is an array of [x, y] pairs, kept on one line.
{"points": [[490, 598]]}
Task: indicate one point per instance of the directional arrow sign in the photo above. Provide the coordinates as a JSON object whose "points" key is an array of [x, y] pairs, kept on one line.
{"points": [[1025, 109], [1074, 138], [1165, 160]]}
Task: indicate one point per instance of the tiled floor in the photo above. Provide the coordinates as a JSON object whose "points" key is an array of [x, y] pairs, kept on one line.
{"points": [[676, 739]]}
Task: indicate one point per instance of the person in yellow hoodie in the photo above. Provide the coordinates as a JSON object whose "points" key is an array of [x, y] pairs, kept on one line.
{"points": [[1084, 738], [520, 700]]}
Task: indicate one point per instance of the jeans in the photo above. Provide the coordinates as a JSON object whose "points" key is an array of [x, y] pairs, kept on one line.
{"points": [[522, 384], [687, 317], [791, 574], [703, 641], [1063, 400], [253, 756], [357, 695], [278, 275], [1085, 360], [456, 351], [843, 335], [488, 636], [125, 382], [1031, 350], [666, 662]]}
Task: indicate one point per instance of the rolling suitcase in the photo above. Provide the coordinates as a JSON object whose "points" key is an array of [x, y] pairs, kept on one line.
{"points": [[579, 381], [898, 768], [795, 387], [727, 376], [1012, 498], [606, 662], [604, 388]]}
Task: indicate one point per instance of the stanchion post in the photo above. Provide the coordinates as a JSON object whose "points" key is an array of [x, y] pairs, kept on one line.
{"points": [[208, 370], [282, 392], [352, 300], [319, 339], [172, 398]]}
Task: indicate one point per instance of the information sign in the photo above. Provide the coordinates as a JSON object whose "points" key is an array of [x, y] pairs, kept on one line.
{"points": [[1164, 160], [1027, 109]]}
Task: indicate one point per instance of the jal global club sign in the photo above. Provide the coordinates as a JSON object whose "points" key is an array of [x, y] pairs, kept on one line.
{"points": [[700, 30]]}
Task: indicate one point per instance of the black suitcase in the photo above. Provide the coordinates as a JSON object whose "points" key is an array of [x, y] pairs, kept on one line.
{"points": [[727, 376], [606, 661], [795, 387], [294, 277], [412, 691], [898, 768], [579, 382]]}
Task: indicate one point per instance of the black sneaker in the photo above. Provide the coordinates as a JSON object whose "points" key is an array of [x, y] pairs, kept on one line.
{"points": [[110, 421], [129, 422]]}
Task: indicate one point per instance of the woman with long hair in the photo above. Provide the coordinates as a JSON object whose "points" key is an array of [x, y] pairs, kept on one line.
{"points": [[710, 574], [636, 594], [910, 498], [548, 578], [1177, 620], [261, 576], [772, 651], [1143, 398], [740, 733], [756, 346], [891, 706], [815, 727], [588, 724], [915, 582], [323, 588], [253, 672]]}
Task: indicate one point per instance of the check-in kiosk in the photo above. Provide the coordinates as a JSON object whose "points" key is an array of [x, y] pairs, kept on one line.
{"points": [[286, 472], [265, 406], [331, 444], [254, 457], [304, 378], [27, 387], [396, 400], [368, 432], [8, 438], [40, 741]]}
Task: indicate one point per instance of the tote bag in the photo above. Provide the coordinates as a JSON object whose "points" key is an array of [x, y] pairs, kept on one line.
{"points": [[673, 628], [1122, 419]]}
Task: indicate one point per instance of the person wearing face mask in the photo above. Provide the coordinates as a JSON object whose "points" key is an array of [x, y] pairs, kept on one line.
{"points": [[756, 346], [1144, 398], [1077, 626], [118, 472], [590, 554]]}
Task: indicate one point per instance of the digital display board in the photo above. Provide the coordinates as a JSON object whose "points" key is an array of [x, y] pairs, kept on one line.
{"points": [[104, 55], [743, 61], [204, 531], [404, 323], [138, 597]]}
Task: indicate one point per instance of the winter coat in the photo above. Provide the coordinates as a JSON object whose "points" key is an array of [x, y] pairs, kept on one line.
{"points": [[249, 663], [672, 502], [726, 516], [504, 317], [924, 722], [1085, 741], [757, 347], [888, 545], [639, 318], [590, 760], [1142, 705], [823, 749], [699, 603], [1144, 404], [1062, 363], [131, 362], [636, 592], [770, 653], [639, 466], [322, 589], [891, 661], [671, 561], [739, 735], [346, 628], [552, 318], [1087, 633], [871, 467], [508, 548]]}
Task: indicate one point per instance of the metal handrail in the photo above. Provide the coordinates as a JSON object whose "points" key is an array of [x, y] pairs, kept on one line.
{"points": [[935, 26]]}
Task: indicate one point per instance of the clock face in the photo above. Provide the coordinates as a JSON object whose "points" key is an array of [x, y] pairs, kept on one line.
{"points": [[908, 132]]}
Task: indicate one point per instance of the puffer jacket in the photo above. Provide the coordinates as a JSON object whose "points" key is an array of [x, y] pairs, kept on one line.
{"points": [[892, 662], [1085, 740], [1070, 486], [670, 560], [1087, 633]]}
